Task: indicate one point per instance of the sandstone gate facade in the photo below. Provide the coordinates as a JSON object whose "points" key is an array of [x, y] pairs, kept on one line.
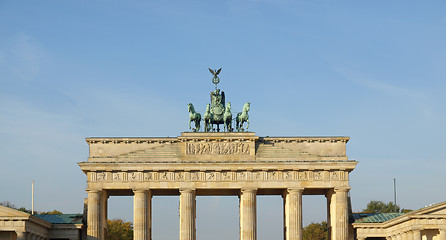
{"points": [[240, 164]]}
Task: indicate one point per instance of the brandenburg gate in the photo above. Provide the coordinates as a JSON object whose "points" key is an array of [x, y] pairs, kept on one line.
{"points": [[218, 163]]}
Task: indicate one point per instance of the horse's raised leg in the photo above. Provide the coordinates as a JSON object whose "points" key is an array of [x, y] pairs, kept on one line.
{"points": [[247, 126]]}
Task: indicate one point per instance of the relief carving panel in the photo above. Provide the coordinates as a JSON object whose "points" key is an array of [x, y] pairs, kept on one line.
{"points": [[217, 148], [215, 176]]}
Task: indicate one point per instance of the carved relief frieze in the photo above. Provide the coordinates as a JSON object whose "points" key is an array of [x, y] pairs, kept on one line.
{"points": [[273, 176], [195, 176], [179, 176], [217, 148], [257, 176], [101, 176], [335, 175], [241, 176], [288, 175], [303, 176], [165, 176], [117, 176], [215, 176], [227, 176], [211, 176], [134, 176], [318, 175]]}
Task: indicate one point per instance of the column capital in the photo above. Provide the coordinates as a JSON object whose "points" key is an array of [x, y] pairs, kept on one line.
{"points": [[186, 190], [342, 189], [289, 190], [93, 190], [140, 190], [248, 189]]}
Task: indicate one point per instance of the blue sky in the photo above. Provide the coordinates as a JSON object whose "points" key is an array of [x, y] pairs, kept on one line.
{"points": [[371, 70]]}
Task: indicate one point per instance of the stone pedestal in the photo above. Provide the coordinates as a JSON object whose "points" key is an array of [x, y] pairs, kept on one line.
{"points": [[142, 214], [248, 216], [187, 214], [94, 215], [293, 214]]}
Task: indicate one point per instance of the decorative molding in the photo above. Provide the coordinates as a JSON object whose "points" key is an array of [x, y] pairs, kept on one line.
{"points": [[218, 176], [217, 148]]}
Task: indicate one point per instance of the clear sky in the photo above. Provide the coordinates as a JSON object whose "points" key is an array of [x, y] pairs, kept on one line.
{"points": [[371, 70]]}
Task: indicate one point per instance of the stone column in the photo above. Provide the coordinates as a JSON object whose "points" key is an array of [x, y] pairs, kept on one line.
{"points": [[409, 235], [21, 235], [417, 234], [331, 213], [293, 213], [103, 204], [94, 215], [248, 216], [341, 213], [187, 214], [142, 204], [442, 233]]}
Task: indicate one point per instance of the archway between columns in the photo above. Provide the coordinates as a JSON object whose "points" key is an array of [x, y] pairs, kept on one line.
{"points": [[217, 217]]}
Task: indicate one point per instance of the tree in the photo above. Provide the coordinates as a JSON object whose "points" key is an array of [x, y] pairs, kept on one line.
{"points": [[54, 212], [8, 204], [381, 207], [119, 230], [23, 209], [316, 231]]}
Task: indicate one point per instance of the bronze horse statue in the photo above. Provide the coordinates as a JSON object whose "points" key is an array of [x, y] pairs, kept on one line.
{"points": [[194, 117]]}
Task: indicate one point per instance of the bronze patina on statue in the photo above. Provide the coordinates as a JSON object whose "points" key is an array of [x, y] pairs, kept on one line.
{"points": [[217, 113]]}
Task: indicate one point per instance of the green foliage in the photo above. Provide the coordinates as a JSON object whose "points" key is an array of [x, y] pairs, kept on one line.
{"points": [[54, 212], [119, 230], [406, 210], [23, 209], [381, 207], [316, 231]]}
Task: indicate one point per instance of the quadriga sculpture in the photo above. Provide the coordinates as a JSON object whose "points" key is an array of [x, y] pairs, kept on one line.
{"points": [[243, 117], [208, 118], [227, 118], [194, 117]]}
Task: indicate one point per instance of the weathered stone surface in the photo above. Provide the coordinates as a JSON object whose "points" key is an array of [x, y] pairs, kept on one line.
{"points": [[223, 163]]}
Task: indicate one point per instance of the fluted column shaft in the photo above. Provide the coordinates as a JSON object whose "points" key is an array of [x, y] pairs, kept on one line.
{"points": [[293, 214], [142, 214], [21, 235], [103, 203], [442, 234], [187, 214], [248, 215], [409, 235], [341, 213], [417, 234], [93, 215]]}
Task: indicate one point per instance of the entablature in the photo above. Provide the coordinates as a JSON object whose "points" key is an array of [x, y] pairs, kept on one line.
{"points": [[196, 146]]}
